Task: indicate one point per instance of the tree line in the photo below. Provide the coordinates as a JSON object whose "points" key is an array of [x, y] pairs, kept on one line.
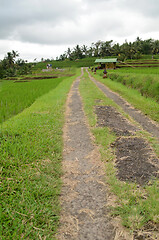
{"points": [[127, 50], [10, 67]]}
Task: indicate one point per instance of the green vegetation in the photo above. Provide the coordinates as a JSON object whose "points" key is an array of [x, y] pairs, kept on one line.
{"points": [[136, 205], [138, 70], [31, 154], [14, 97], [89, 61], [31, 145], [9, 67], [147, 85], [128, 50], [147, 105]]}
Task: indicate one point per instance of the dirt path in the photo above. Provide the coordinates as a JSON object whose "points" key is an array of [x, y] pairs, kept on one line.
{"points": [[147, 124], [84, 214], [84, 194]]}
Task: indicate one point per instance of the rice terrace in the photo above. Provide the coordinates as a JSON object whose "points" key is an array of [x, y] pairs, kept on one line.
{"points": [[79, 148]]}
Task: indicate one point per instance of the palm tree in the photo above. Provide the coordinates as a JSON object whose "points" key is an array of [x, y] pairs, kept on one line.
{"points": [[155, 47], [116, 50], [77, 52], [106, 48], [147, 46], [96, 47], [85, 50], [69, 54], [91, 52]]}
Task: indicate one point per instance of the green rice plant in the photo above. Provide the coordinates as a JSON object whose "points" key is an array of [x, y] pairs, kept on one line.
{"points": [[14, 97], [30, 167]]}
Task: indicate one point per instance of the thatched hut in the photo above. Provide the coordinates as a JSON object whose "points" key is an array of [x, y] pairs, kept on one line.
{"points": [[109, 63]]}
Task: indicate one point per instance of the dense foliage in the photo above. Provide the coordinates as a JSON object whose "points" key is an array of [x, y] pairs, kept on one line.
{"points": [[9, 67], [127, 50]]}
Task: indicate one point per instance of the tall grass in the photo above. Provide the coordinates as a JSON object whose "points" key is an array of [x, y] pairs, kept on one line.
{"points": [[31, 153], [14, 97], [137, 70], [146, 84]]}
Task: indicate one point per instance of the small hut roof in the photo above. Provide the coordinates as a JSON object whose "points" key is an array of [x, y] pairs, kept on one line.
{"points": [[108, 60]]}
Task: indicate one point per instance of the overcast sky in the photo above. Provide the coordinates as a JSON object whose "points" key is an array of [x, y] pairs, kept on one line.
{"points": [[46, 28]]}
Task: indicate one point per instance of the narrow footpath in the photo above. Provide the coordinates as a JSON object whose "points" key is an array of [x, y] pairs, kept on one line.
{"points": [[84, 193], [147, 124]]}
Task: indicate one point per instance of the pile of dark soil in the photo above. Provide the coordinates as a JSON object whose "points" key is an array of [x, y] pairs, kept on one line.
{"points": [[40, 77], [11, 78], [107, 116], [136, 161]]}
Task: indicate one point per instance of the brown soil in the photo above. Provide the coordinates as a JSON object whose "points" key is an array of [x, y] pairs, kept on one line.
{"points": [[11, 78], [108, 116], [84, 193], [38, 78], [135, 161]]}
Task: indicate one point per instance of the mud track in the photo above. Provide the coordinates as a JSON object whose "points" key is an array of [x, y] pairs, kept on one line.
{"points": [[83, 198]]}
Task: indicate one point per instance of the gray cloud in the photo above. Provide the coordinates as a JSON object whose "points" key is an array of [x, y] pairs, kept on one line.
{"points": [[71, 22], [148, 8], [15, 15]]}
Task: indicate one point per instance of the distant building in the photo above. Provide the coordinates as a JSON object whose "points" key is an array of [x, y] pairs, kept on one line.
{"points": [[107, 63]]}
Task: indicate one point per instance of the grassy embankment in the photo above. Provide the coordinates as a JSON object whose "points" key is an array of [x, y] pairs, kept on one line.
{"points": [[31, 152], [139, 87], [136, 206]]}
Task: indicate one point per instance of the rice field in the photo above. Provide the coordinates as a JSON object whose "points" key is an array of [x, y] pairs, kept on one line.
{"points": [[15, 97]]}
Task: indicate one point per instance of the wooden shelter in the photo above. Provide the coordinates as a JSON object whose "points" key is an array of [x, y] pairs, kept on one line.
{"points": [[107, 63]]}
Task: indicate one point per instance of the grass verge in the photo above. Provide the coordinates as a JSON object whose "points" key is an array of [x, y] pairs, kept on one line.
{"points": [[137, 206], [147, 105], [31, 152]]}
